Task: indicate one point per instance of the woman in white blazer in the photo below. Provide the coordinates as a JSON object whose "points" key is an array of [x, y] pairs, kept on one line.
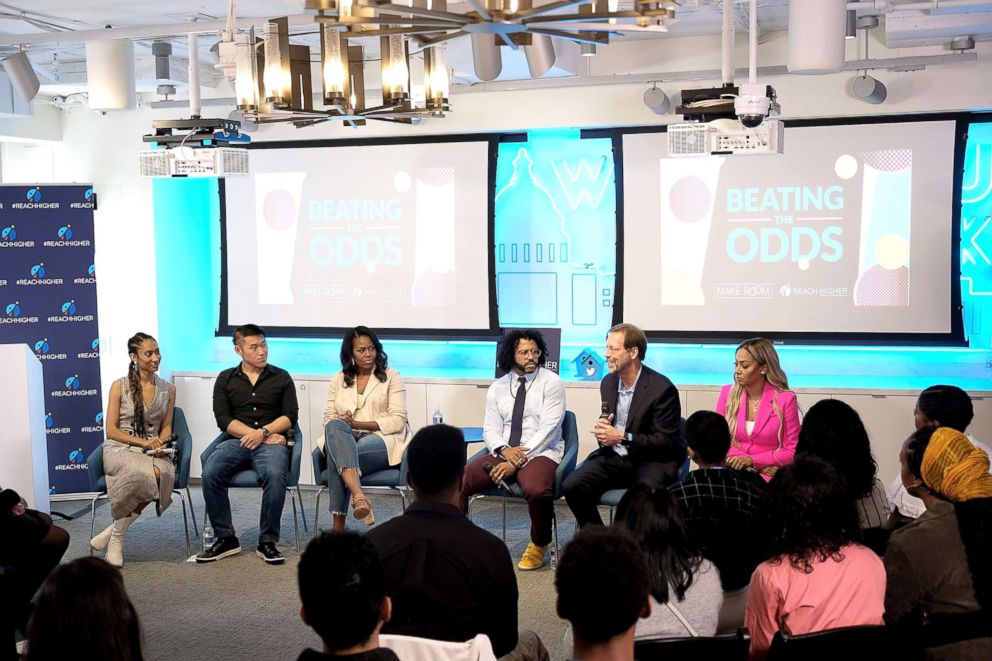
{"points": [[365, 423]]}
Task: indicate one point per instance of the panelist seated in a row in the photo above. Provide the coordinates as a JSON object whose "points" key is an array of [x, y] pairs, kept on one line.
{"points": [[761, 411]]}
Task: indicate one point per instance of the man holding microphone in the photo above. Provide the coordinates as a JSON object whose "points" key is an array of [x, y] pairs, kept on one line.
{"points": [[524, 413]]}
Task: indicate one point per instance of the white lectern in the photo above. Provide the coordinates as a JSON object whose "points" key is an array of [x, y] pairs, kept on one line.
{"points": [[23, 446]]}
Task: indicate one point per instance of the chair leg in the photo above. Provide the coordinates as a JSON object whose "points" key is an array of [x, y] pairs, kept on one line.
{"points": [[303, 512], [92, 521], [554, 529], [182, 499], [296, 521], [316, 513], [192, 512]]}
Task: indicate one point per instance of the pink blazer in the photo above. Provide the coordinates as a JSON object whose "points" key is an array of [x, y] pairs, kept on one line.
{"points": [[762, 444]]}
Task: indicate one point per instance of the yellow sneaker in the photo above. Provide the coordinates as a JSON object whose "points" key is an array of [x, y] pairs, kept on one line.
{"points": [[533, 557]]}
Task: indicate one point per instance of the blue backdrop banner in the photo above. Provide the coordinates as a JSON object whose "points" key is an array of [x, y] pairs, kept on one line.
{"points": [[48, 301]]}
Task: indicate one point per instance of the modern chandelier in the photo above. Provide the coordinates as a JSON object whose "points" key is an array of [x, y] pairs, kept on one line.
{"points": [[272, 82]]}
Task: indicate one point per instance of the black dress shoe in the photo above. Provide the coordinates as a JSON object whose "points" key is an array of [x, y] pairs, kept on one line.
{"points": [[267, 551], [220, 549]]}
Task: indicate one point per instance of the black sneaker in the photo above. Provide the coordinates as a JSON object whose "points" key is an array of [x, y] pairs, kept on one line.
{"points": [[267, 551], [220, 549]]}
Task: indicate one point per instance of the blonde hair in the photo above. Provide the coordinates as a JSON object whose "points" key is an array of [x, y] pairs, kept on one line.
{"points": [[763, 352]]}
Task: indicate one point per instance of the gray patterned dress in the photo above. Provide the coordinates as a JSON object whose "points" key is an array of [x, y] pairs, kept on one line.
{"points": [[130, 477]]}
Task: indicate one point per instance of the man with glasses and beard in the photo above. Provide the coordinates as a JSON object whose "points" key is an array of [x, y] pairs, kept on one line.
{"points": [[524, 413]]}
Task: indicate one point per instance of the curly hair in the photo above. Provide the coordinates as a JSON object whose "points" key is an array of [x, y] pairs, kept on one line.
{"points": [[807, 514], [652, 517], [974, 520], [834, 432], [505, 357], [348, 366], [134, 384]]}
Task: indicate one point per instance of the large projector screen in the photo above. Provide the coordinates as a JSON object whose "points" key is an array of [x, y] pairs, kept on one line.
{"points": [[847, 233], [393, 236]]}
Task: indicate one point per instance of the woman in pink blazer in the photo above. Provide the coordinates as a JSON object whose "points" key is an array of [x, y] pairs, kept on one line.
{"points": [[760, 409]]}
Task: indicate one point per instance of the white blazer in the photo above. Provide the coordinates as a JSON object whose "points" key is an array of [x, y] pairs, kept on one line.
{"points": [[382, 402]]}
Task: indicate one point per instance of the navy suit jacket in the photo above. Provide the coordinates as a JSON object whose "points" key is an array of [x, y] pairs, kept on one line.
{"points": [[654, 418]]}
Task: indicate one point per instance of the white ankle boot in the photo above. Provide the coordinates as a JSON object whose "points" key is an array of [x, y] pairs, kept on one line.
{"points": [[102, 538], [115, 548]]}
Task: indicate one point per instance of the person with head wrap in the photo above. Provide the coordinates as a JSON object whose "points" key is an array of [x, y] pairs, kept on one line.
{"points": [[939, 563], [937, 406]]}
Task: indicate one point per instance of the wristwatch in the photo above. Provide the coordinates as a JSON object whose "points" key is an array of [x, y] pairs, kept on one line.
{"points": [[265, 432]]}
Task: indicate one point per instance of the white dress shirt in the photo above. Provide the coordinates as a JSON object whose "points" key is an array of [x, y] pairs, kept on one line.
{"points": [[544, 410]]}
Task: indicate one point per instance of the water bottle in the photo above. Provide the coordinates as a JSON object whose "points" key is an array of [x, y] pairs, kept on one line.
{"points": [[438, 416], [208, 537]]}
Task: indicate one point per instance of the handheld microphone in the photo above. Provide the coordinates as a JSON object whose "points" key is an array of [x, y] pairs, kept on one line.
{"points": [[488, 467], [604, 411]]}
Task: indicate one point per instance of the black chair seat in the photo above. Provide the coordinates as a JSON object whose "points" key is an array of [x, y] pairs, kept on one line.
{"points": [[729, 646]]}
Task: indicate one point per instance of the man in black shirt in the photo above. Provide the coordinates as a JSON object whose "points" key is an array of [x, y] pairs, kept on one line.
{"points": [[255, 404], [719, 506], [448, 578]]}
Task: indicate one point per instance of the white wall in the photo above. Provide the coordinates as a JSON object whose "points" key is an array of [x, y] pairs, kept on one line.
{"points": [[102, 149]]}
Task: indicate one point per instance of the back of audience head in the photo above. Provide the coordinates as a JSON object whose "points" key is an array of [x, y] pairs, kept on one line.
{"points": [[708, 436], [807, 513], [84, 612], [834, 432], [602, 584], [436, 461], [342, 590], [650, 514], [944, 406]]}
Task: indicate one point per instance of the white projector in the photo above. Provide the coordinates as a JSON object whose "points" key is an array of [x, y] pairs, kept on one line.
{"points": [[189, 162], [725, 137]]}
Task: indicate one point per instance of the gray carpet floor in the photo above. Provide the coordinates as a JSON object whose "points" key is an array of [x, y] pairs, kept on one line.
{"points": [[239, 607]]}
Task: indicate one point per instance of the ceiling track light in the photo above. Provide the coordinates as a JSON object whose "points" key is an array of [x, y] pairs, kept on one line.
{"points": [[864, 87], [22, 76], [656, 100]]}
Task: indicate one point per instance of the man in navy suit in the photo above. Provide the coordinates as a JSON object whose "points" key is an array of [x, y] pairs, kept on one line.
{"points": [[638, 433]]}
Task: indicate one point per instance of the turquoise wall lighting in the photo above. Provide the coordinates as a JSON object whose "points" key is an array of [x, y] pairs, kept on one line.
{"points": [[555, 250]]}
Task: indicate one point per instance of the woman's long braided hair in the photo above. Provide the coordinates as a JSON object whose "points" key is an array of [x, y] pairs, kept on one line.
{"points": [[134, 384]]}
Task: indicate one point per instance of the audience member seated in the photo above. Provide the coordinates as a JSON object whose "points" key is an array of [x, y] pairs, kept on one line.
{"points": [[84, 613], [937, 406], [638, 433], [524, 412], [139, 429], [760, 409], [719, 507], [448, 579], [365, 426], [685, 586], [255, 405], [602, 585], [343, 597], [833, 431], [817, 577], [940, 562], [32, 546]]}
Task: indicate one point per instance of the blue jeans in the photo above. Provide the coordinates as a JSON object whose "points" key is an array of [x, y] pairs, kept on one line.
{"points": [[346, 449], [270, 462]]}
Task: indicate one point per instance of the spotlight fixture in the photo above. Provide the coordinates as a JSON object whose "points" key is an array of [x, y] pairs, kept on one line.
{"points": [[22, 76], [868, 89], [656, 100], [864, 87]]}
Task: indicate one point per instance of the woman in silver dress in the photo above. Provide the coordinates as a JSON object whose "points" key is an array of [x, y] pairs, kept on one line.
{"points": [[138, 423]]}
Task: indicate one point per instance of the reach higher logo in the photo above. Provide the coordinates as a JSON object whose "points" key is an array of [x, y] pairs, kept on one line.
{"points": [[43, 351], [50, 427], [89, 201], [97, 426], [12, 315], [72, 389], [65, 240], [38, 277], [77, 461], [69, 315], [8, 238], [33, 197]]}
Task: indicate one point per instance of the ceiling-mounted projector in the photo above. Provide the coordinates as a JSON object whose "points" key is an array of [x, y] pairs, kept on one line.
{"points": [[725, 137], [190, 162]]}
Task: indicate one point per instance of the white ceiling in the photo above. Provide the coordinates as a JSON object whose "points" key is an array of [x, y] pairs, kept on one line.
{"points": [[60, 65]]}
